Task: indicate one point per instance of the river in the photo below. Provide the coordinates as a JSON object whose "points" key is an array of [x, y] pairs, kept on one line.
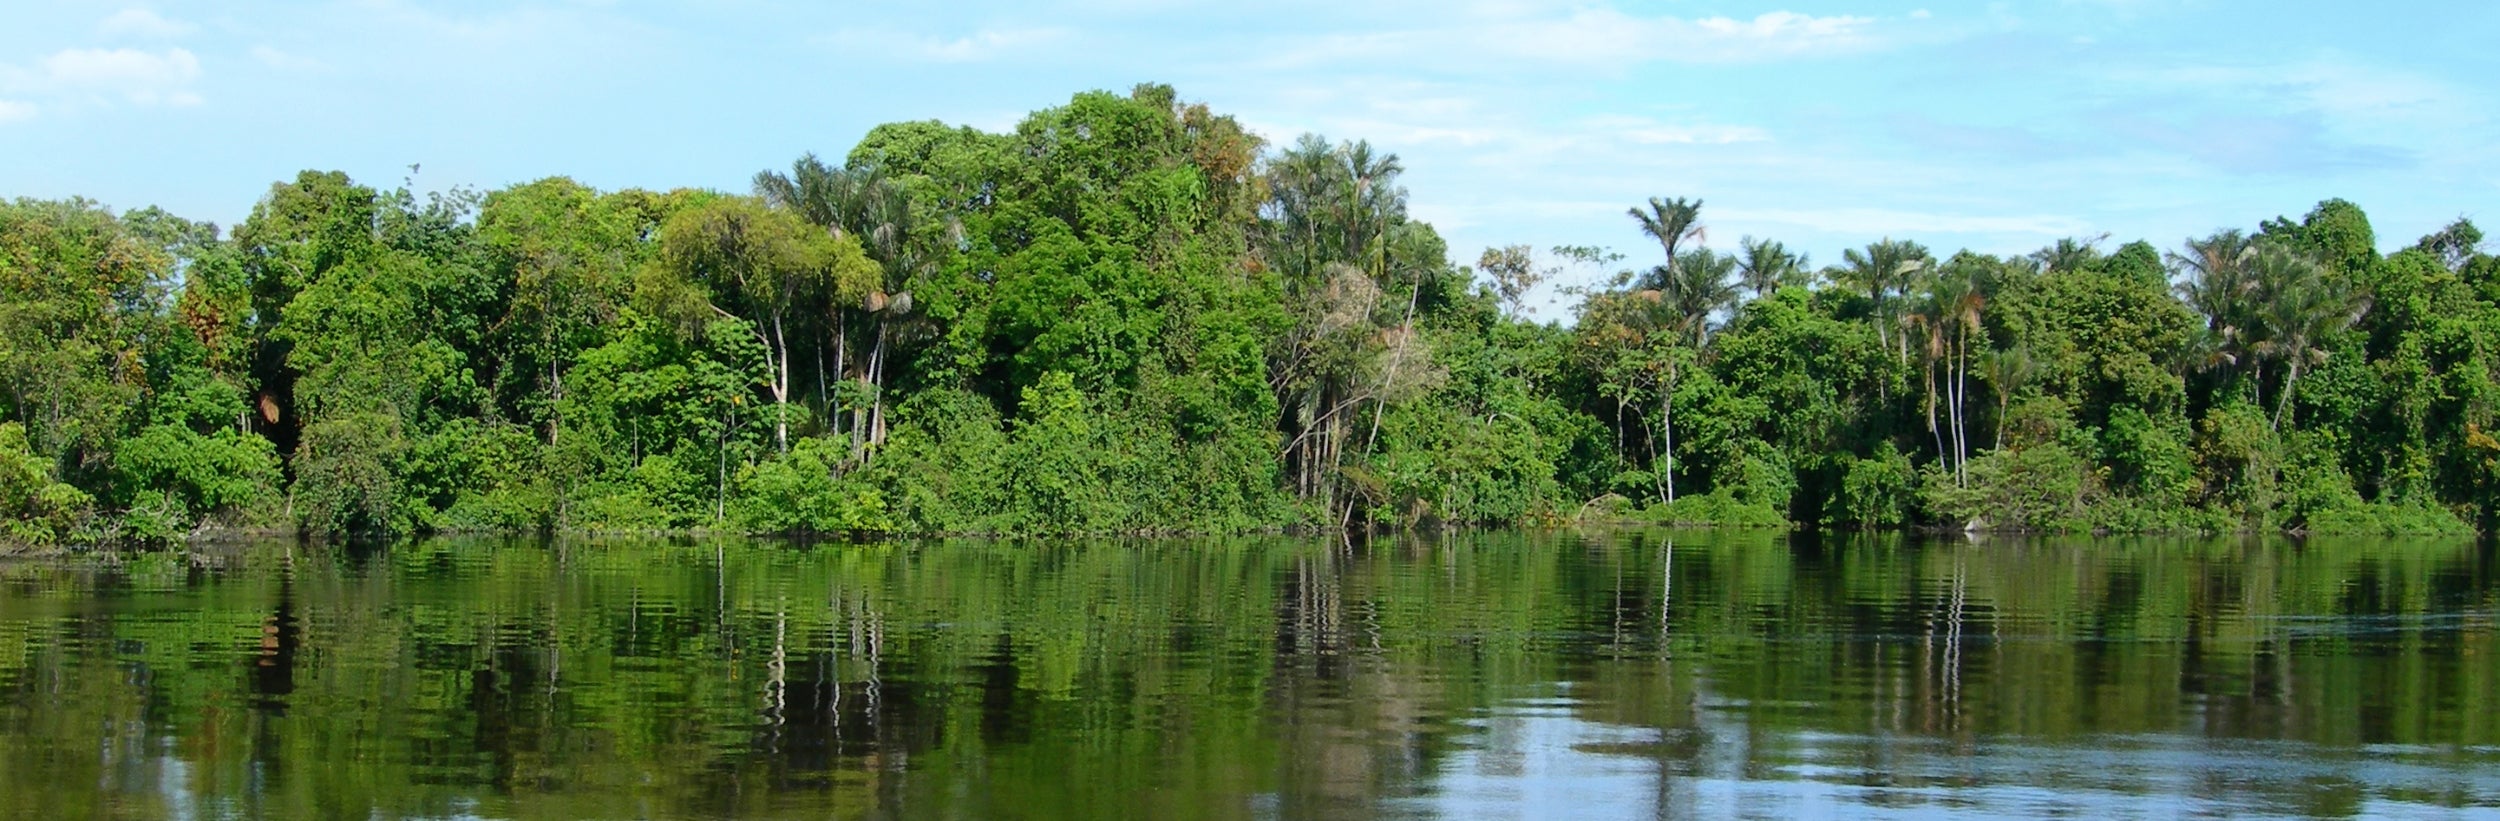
{"points": [[1613, 674]]}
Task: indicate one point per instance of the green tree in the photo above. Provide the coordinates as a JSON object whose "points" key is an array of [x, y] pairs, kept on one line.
{"points": [[1767, 265], [1884, 271], [1513, 272], [2300, 308], [766, 263], [1671, 223]]}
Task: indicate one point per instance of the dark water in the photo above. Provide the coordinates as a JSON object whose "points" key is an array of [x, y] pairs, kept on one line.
{"points": [[1619, 675]]}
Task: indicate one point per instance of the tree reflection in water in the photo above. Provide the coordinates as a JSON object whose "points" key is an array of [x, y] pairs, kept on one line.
{"points": [[1593, 674]]}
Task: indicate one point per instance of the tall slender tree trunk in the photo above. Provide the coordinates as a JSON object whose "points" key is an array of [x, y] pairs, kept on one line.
{"points": [[2283, 404], [1666, 418], [1961, 419], [1619, 433], [1943, 454], [824, 390], [720, 478], [1405, 335], [1657, 475], [876, 403], [781, 387], [2005, 405], [1883, 387], [555, 412]]}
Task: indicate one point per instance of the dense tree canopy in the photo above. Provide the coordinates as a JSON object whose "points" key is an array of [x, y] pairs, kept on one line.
{"points": [[1131, 315]]}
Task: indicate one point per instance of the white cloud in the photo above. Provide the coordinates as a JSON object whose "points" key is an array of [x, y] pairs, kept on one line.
{"points": [[1602, 36], [2337, 87], [137, 22], [1409, 133], [980, 46], [987, 44], [276, 59], [13, 111], [1890, 222], [1694, 134], [142, 77], [2130, 9], [1607, 35]]}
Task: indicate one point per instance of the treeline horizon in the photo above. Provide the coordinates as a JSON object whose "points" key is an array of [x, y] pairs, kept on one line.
{"points": [[1130, 315]]}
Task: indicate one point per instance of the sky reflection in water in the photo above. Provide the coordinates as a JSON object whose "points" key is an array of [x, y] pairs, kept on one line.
{"points": [[1471, 676]]}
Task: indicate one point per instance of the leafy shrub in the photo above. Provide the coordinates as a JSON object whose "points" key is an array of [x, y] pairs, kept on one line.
{"points": [[1877, 491], [38, 510], [2045, 487], [797, 492], [173, 478], [347, 476]]}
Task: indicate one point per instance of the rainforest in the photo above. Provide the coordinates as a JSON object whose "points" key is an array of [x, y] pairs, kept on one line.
{"points": [[1133, 315]]}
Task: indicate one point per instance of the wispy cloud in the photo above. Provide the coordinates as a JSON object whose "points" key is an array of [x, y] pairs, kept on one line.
{"points": [[132, 75], [1609, 35], [1491, 38], [979, 46], [2003, 141], [283, 61], [14, 111], [2337, 87], [2325, 114], [1645, 131], [138, 22], [1892, 222], [2290, 144]]}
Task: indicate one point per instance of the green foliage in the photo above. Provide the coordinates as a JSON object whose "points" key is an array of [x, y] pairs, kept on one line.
{"points": [[1876, 491], [347, 476], [2238, 462], [1440, 466], [944, 469], [2045, 487], [38, 509], [480, 477], [193, 477], [2147, 459], [77, 292], [1130, 315], [797, 492]]}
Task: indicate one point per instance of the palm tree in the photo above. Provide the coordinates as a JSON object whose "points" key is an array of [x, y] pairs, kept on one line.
{"points": [[1372, 199], [2300, 306], [1950, 313], [1699, 284], [1302, 195], [1968, 304], [1926, 317], [1885, 268], [860, 202], [2007, 371], [1765, 265], [2216, 279], [855, 201], [1671, 223], [2069, 255]]}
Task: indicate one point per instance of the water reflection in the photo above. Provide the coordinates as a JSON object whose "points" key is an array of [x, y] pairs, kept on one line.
{"points": [[1625, 674]]}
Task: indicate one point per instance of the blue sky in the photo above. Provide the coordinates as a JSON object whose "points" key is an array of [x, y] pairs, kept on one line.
{"points": [[1994, 126]]}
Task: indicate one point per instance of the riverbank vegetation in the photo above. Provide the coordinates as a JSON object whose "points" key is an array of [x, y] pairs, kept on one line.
{"points": [[1131, 315]]}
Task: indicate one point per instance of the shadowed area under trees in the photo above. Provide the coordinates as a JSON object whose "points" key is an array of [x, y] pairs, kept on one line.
{"points": [[1131, 315]]}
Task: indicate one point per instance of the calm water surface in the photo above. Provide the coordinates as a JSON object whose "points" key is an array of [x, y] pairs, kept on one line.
{"points": [[1612, 675]]}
